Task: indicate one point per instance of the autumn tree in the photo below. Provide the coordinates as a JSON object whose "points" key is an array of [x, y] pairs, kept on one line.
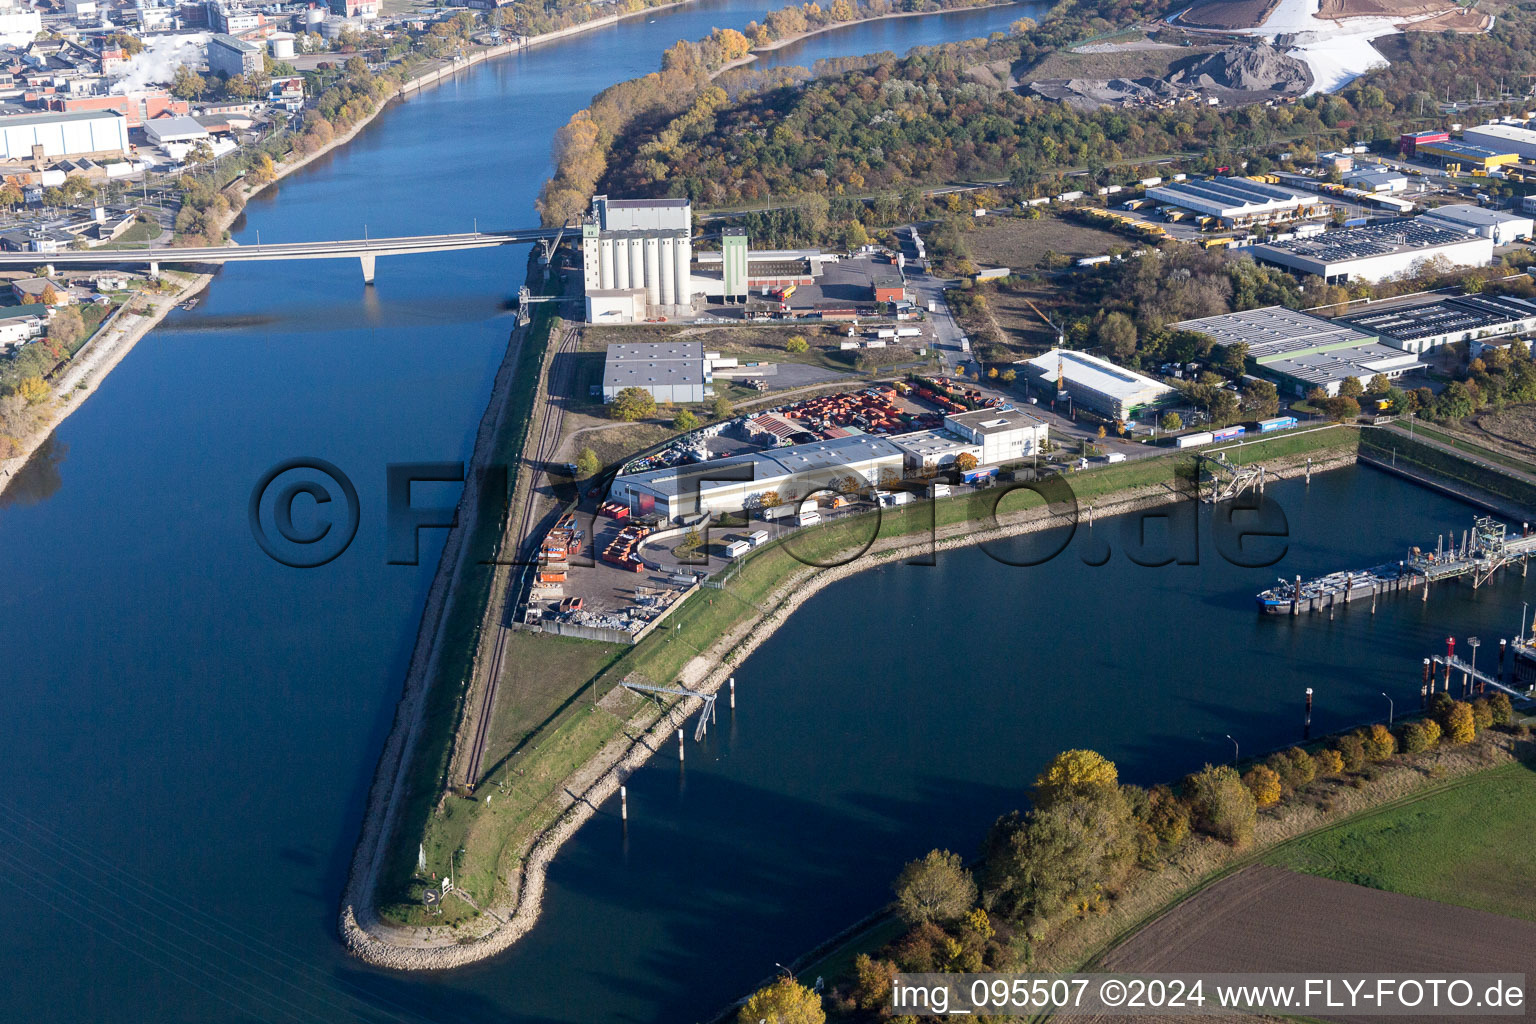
{"points": [[32, 390], [1171, 421], [684, 420], [1380, 744], [786, 1001], [1351, 750], [936, 887], [965, 462], [1072, 768], [1222, 805], [1328, 762], [633, 404], [797, 343], [66, 327], [187, 84], [1350, 387], [721, 407], [1264, 784], [872, 981], [1500, 708], [587, 463], [1460, 726], [1117, 336]]}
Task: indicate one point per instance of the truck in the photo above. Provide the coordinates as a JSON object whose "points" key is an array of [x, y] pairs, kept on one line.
{"points": [[808, 518], [933, 307], [1228, 433], [1193, 440], [1277, 423], [895, 498], [938, 490], [908, 332], [773, 512], [757, 538], [737, 548], [886, 332]]}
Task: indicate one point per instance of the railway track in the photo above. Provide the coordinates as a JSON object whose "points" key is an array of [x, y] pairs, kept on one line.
{"points": [[542, 451]]}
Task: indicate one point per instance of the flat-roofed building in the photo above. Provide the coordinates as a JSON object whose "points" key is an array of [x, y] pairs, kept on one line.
{"points": [[929, 450], [1376, 252], [230, 56], [738, 482], [1376, 179], [1097, 384], [1005, 434], [1423, 326], [671, 371], [1298, 351], [1502, 227], [1237, 201], [93, 133], [1469, 155], [1519, 139]]}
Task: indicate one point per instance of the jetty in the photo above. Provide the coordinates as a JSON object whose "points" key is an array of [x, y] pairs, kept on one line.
{"points": [[1481, 552]]}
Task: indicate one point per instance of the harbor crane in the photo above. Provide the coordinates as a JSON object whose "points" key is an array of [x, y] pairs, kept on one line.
{"points": [[706, 715], [1228, 480]]}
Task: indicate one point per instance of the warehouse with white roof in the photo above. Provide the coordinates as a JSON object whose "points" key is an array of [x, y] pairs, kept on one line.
{"points": [[740, 481], [1377, 251], [1506, 138], [1503, 228], [1097, 384], [1298, 351], [1238, 202]]}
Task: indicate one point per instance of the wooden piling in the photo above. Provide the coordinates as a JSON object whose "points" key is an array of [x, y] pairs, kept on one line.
{"points": [[733, 693], [680, 751], [1306, 725], [623, 803]]}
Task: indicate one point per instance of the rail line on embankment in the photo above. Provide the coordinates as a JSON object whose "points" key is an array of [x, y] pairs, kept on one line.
{"points": [[534, 459]]}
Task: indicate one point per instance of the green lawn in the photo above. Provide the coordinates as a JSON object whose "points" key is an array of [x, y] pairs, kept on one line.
{"points": [[1469, 845]]}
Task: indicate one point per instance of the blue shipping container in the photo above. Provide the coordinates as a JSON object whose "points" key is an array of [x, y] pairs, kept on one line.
{"points": [[1228, 433], [1278, 423]]}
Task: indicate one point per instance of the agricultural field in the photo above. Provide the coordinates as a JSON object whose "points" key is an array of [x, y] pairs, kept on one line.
{"points": [[1469, 846], [1267, 918]]}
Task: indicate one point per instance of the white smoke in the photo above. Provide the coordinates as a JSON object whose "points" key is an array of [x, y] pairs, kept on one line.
{"points": [[159, 59]]}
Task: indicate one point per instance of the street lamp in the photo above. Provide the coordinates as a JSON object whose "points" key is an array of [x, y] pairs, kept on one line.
{"points": [[1474, 643], [1391, 708], [1234, 748]]}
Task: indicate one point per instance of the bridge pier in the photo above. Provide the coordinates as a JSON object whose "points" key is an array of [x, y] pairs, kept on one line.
{"points": [[154, 271], [367, 261]]}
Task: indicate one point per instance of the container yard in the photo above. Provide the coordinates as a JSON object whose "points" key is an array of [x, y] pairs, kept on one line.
{"points": [[1482, 551]]}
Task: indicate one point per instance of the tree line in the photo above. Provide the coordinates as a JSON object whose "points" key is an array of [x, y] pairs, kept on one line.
{"points": [[1084, 840]]}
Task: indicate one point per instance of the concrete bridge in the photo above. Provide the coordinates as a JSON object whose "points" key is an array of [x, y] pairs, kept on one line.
{"points": [[365, 250]]}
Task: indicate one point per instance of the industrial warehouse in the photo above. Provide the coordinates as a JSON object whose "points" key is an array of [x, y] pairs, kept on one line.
{"points": [[741, 481], [1517, 138], [1377, 251], [1502, 228], [1238, 202], [1299, 352], [1095, 384], [1424, 326], [669, 371]]}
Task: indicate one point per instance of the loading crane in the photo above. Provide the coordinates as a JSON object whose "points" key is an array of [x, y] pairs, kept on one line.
{"points": [[706, 715]]}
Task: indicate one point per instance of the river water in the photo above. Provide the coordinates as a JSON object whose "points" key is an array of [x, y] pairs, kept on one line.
{"points": [[190, 727]]}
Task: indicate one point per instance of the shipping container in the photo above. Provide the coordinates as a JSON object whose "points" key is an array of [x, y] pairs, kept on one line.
{"points": [[776, 512], [1278, 423], [1228, 433], [757, 538], [908, 332], [1192, 440], [737, 548], [810, 518], [938, 490]]}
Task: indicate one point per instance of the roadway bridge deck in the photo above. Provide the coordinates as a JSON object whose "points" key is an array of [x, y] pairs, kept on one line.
{"points": [[365, 250]]}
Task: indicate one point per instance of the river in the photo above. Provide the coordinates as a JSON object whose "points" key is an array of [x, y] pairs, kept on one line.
{"points": [[190, 727]]}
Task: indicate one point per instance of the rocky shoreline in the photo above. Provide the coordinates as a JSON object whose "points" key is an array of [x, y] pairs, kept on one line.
{"points": [[423, 949]]}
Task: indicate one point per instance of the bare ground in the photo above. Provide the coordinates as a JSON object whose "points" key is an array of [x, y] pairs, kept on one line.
{"points": [[1335, 9], [1228, 14], [1268, 919]]}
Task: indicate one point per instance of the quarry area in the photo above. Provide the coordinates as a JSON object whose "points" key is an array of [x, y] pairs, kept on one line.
{"points": [[1225, 52], [1227, 75]]}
